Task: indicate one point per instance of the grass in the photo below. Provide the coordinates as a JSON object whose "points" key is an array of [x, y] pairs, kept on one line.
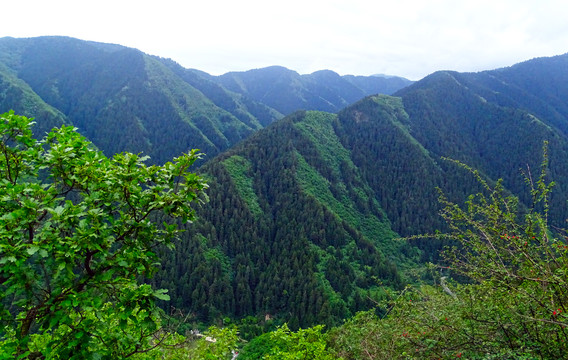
{"points": [[240, 170]]}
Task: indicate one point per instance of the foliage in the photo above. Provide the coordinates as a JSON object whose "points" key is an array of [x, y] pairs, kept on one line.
{"points": [[215, 343], [257, 347], [512, 305], [420, 323], [76, 231], [518, 263], [304, 344]]}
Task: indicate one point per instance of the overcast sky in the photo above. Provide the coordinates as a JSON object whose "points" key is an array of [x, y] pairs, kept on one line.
{"points": [[410, 38]]}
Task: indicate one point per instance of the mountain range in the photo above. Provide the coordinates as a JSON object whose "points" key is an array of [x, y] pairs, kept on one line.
{"points": [[305, 209], [125, 100], [304, 215], [287, 91]]}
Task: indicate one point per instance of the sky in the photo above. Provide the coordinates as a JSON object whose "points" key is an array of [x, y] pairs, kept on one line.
{"points": [[409, 38]]}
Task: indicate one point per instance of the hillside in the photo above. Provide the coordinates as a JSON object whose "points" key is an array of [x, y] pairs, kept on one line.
{"points": [[287, 91], [123, 99], [306, 211], [291, 228], [496, 121]]}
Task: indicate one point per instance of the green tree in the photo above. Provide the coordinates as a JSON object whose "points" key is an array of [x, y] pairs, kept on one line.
{"points": [[517, 263], [77, 229], [304, 344], [512, 299]]}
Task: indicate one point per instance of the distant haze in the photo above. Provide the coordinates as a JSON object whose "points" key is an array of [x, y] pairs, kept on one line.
{"points": [[408, 38]]}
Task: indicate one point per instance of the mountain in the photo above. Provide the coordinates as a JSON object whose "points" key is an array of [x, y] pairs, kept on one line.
{"points": [[304, 215], [287, 91], [17, 95], [291, 229], [304, 211], [378, 84], [496, 121], [254, 256], [123, 99]]}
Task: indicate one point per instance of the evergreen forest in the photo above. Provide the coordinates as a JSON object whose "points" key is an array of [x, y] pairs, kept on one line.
{"points": [[322, 216]]}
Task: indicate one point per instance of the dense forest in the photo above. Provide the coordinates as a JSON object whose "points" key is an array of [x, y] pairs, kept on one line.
{"points": [[316, 216], [374, 169]]}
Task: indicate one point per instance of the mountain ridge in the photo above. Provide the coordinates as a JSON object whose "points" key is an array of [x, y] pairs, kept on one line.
{"points": [[86, 82], [324, 89], [125, 100], [305, 210], [358, 180]]}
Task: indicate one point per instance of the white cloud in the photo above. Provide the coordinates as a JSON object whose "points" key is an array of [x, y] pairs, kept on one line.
{"points": [[407, 37]]}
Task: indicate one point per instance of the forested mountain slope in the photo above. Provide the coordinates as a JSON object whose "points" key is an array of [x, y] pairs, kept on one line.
{"points": [[496, 121], [291, 229], [304, 214], [287, 91], [123, 99]]}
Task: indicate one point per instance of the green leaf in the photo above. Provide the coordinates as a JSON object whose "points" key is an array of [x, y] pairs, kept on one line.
{"points": [[58, 210], [32, 249], [161, 294], [6, 259], [8, 217]]}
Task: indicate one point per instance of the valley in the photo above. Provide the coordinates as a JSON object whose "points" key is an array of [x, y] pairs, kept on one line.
{"points": [[319, 186]]}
